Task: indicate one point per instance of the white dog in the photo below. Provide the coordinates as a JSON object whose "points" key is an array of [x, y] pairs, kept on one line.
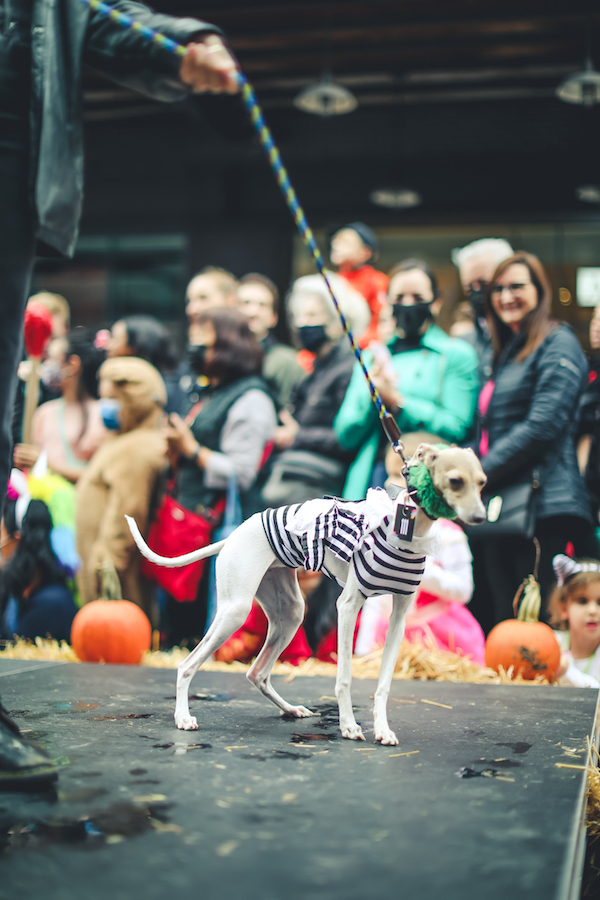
{"points": [[355, 543]]}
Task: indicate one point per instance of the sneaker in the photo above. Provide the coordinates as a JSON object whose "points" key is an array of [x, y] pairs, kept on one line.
{"points": [[23, 767]]}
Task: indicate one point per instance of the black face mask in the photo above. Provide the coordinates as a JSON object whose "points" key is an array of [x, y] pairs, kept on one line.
{"points": [[197, 357], [476, 297], [312, 337], [410, 319]]}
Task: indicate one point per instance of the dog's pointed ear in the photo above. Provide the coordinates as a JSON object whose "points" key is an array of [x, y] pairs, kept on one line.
{"points": [[427, 454]]}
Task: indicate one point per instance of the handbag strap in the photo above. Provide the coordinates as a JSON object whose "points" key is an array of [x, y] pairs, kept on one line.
{"points": [[233, 510]]}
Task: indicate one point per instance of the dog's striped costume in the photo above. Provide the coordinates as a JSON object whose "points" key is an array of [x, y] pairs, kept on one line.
{"points": [[380, 568]]}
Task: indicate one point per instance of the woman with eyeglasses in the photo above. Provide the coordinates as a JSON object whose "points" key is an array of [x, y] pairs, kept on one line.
{"points": [[528, 419]]}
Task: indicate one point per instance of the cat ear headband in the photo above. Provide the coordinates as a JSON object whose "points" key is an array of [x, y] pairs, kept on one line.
{"points": [[565, 568]]}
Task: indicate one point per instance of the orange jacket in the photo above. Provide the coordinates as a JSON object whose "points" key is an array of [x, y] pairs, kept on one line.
{"points": [[372, 284]]}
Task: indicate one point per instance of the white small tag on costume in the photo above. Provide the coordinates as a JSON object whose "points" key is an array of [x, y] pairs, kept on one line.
{"points": [[404, 525]]}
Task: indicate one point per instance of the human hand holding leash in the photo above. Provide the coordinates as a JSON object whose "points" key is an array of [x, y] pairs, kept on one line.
{"points": [[209, 67]]}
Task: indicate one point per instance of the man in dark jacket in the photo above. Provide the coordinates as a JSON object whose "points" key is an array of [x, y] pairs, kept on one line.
{"points": [[43, 46], [258, 300]]}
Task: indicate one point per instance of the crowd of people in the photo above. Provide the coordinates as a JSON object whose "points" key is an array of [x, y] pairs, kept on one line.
{"points": [[242, 421]]}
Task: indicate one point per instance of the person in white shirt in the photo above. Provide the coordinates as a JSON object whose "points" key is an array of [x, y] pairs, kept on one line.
{"points": [[574, 608]]}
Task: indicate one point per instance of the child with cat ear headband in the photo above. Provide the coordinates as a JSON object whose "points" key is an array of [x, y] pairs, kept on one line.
{"points": [[574, 608]]}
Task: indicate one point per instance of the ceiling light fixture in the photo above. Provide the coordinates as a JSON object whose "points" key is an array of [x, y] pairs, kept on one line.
{"points": [[581, 87], [326, 98], [588, 193], [396, 198]]}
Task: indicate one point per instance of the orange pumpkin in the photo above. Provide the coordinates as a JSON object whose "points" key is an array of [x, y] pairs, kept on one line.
{"points": [[111, 630], [525, 643]]}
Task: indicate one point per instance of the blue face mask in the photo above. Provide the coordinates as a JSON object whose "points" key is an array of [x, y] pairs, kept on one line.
{"points": [[110, 410]]}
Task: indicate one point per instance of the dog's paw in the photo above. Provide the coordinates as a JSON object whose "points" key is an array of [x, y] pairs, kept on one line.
{"points": [[385, 736], [186, 723], [298, 712], [352, 732]]}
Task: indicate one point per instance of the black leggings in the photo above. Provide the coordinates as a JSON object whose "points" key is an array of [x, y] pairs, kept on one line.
{"points": [[508, 561]]}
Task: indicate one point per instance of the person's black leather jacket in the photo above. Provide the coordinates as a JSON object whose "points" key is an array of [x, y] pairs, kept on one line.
{"points": [[65, 34], [532, 422]]}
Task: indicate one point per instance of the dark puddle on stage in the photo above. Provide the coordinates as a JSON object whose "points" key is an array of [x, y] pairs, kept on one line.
{"points": [[305, 738], [469, 772], [26, 714], [180, 748], [109, 826], [518, 747], [137, 772], [126, 716], [329, 716]]}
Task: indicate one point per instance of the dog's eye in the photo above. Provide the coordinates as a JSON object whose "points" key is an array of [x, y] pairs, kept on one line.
{"points": [[456, 483]]}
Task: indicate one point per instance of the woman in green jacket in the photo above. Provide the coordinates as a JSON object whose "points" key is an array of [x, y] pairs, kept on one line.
{"points": [[429, 383]]}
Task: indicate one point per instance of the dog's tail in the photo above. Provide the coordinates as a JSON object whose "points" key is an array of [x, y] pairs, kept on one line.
{"points": [[173, 561]]}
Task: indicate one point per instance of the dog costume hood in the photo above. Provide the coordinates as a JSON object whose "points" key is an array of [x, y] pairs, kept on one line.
{"points": [[139, 387]]}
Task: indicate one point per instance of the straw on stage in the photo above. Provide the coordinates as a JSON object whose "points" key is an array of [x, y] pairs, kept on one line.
{"points": [[415, 661]]}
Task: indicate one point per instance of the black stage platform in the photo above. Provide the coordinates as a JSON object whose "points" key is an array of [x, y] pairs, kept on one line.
{"points": [[255, 806]]}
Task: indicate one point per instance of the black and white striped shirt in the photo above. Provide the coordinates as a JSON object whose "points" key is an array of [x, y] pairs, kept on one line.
{"points": [[380, 568]]}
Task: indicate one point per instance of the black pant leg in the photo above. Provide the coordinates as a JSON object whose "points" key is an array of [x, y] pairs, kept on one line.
{"points": [[16, 263], [481, 604], [507, 562], [554, 534]]}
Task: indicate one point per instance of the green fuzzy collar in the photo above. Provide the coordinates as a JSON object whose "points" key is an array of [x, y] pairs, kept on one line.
{"points": [[420, 486]]}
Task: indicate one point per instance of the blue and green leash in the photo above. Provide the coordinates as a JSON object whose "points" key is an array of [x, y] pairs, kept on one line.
{"points": [[388, 423]]}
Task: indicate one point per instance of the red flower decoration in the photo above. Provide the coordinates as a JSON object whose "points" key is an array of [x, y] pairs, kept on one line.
{"points": [[37, 328]]}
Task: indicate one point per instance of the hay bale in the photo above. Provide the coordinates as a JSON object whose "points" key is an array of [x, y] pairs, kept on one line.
{"points": [[421, 662]]}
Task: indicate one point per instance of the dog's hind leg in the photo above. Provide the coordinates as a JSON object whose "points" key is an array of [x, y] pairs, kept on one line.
{"points": [[240, 569], [383, 733], [349, 604], [280, 597], [226, 621]]}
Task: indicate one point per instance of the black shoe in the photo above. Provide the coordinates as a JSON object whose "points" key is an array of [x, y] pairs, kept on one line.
{"points": [[22, 766]]}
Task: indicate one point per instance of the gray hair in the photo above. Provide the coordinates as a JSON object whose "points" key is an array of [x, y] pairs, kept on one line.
{"points": [[498, 248], [353, 305]]}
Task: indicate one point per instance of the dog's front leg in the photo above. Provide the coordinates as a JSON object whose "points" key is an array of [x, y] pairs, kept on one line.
{"points": [[383, 733], [349, 604]]}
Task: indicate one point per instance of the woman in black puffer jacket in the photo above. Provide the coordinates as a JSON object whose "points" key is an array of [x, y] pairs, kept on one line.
{"points": [[528, 419]]}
